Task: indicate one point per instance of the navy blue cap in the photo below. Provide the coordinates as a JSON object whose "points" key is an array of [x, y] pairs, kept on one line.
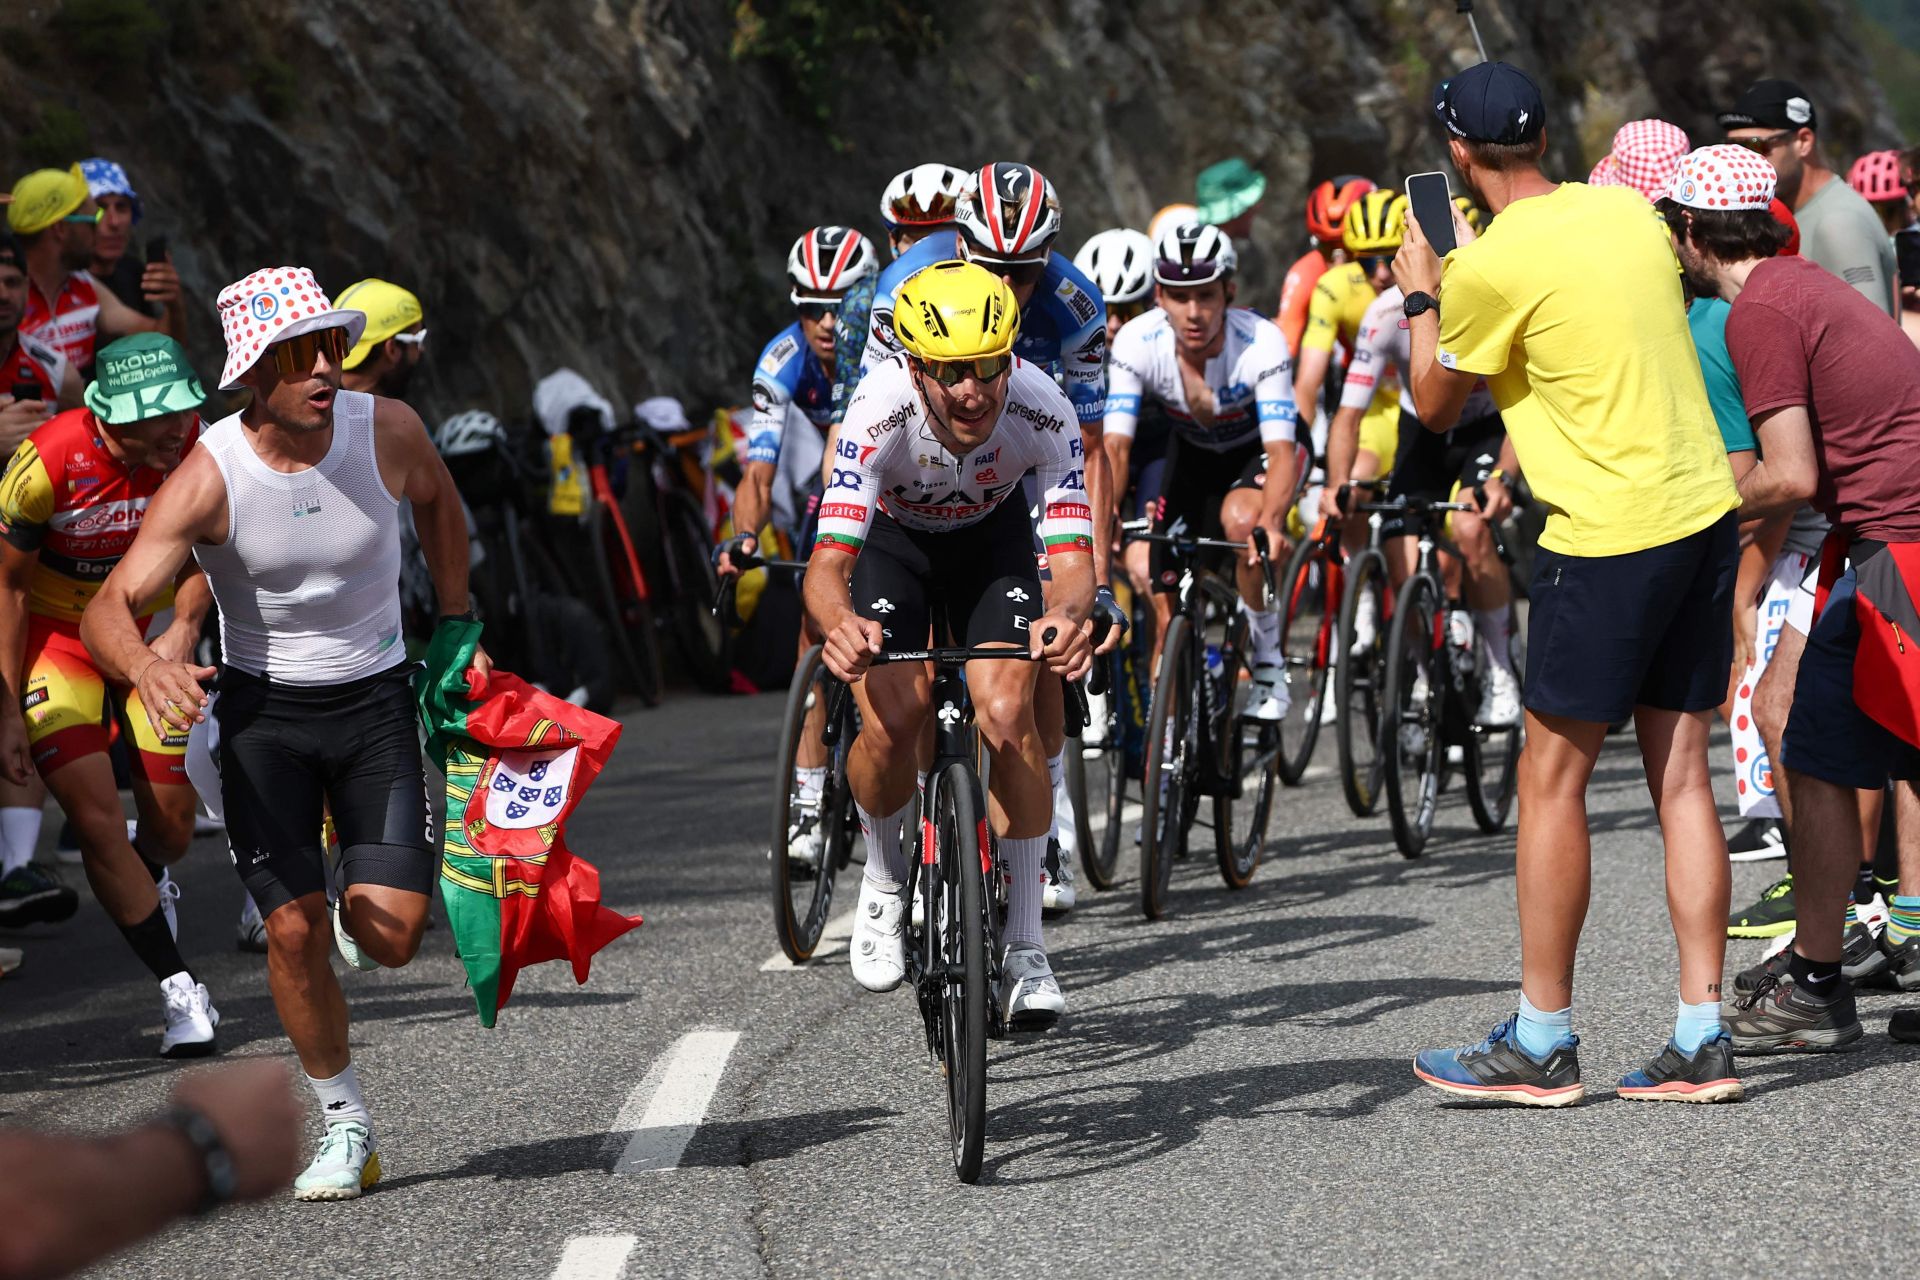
{"points": [[1491, 102]]}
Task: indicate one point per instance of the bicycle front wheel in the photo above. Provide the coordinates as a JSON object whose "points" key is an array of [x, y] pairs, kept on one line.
{"points": [[1416, 674], [807, 842], [1362, 666], [1167, 792], [1493, 760], [1106, 780], [960, 919], [1309, 616]]}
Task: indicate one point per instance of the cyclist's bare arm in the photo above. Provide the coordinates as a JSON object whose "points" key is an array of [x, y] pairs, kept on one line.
{"points": [[850, 640], [1343, 445], [16, 575], [1100, 497]]}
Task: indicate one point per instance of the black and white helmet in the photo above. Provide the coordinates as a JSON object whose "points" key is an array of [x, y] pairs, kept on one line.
{"points": [[1120, 264], [1194, 253], [474, 431], [1007, 213], [923, 196], [827, 261]]}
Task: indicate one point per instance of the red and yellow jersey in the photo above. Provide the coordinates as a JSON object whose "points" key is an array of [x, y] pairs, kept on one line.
{"points": [[30, 360], [68, 498], [69, 321]]}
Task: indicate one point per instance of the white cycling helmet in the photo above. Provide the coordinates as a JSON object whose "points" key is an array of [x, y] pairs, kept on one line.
{"points": [[827, 261], [474, 431], [923, 196], [1120, 264], [1007, 213], [1194, 253]]}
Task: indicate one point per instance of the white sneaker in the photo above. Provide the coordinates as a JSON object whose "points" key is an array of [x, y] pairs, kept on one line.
{"points": [[191, 1018], [1093, 739], [1872, 914], [1778, 945], [251, 933], [344, 1166], [349, 949], [1269, 698], [1366, 627], [878, 950], [1499, 699], [1030, 998], [169, 895], [1057, 890], [805, 839]]}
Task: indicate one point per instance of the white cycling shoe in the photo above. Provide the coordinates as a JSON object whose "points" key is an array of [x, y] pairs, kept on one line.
{"points": [[1030, 998], [1269, 696], [1499, 699], [877, 951], [806, 841], [1058, 893], [191, 1018]]}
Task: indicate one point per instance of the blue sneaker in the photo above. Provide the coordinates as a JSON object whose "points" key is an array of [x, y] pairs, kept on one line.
{"points": [[1705, 1075], [1499, 1069]]}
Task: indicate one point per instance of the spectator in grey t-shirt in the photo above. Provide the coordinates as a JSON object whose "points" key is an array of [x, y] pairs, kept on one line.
{"points": [[1838, 230]]}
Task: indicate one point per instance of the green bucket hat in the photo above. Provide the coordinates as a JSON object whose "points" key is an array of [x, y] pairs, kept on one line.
{"points": [[1226, 190], [142, 376]]}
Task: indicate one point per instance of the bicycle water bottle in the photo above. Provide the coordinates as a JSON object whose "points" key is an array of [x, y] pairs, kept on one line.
{"points": [[1216, 674], [1460, 642]]}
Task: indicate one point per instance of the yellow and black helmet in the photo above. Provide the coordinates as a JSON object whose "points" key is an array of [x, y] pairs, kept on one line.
{"points": [[955, 311], [1375, 223], [1471, 212]]}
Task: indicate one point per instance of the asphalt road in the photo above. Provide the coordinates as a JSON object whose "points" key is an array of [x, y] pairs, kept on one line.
{"points": [[1230, 1089]]}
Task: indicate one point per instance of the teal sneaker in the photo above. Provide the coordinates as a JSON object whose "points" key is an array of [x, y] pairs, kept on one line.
{"points": [[345, 1165]]}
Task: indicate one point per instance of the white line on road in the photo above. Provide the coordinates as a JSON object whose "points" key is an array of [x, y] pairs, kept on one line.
{"points": [[833, 939], [594, 1258], [665, 1109]]}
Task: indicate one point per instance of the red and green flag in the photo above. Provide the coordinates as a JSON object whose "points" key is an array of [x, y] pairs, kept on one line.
{"points": [[517, 761]]}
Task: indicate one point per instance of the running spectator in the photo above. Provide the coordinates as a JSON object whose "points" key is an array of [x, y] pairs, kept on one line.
{"points": [[1645, 153], [1838, 230], [54, 214], [1595, 377], [1833, 391], [113, 264], [383, 362]]}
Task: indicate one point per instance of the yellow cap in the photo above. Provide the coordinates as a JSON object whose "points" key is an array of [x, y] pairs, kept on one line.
{"points": [[44, 197], [955, 311], [389, 310]]}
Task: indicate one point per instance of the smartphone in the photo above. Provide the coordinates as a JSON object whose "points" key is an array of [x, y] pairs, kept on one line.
{"points": [[1431, 197], [1906, 245], [27, 391], [156, 250]]}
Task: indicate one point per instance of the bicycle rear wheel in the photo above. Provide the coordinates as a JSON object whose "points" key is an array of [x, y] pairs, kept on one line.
{"points": [[1167, 791], [958, 904], [1416, 675], [1258, 765], [803, 886], [629, 614], [1361, 684], [1493, 760], [705, 642], [1310, 607]]}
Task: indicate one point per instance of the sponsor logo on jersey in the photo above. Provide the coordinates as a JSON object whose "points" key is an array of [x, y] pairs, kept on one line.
{"points": [[778, 354], [1069, 511], [842, 511], [762, 398], [1094, 349], [102, 517], [882, 325], [847, 448], [1040, 421], [990, 456], [989, 476], [34, 698], [1079, 302], [900, 417]]}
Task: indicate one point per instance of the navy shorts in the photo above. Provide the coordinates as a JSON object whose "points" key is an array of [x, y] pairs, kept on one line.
{"points": [[1650, 628], [1828, 736]]}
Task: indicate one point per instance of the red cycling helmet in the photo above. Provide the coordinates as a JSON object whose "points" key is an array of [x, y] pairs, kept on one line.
{"points": [[1784, 216], [1876, 176], [1328, 204]]}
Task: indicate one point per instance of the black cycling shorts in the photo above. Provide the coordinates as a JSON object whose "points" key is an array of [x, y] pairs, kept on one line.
{"points": [[977, 585], [1194, 483], [290, 756], [1428, 463]]}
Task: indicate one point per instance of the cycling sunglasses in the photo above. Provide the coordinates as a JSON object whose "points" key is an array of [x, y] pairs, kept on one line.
{"points": [[1016, 273], [951, 373], [295, 356], [816, 311], [1372, 262], [88, 219]]}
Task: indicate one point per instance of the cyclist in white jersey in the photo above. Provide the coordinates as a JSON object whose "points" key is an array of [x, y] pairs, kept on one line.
{"points": [[291, 507], [1474, 457], [1222, 374], [925, 500]]}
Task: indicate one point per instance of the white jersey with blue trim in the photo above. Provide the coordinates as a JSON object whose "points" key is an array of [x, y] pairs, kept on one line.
{"points": [[1384, 343], [1063, 326], [1251, 379], [789, 376]]}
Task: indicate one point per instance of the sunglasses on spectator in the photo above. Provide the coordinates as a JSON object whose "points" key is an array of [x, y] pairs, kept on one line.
{"points": [[951, 373], [90, 219], [1766, 142], [295, 356], [1016, 273], [411, 339], [817, 311]]}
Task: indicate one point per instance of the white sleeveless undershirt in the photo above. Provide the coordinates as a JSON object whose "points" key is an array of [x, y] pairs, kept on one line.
{"points": [[308, 581]]}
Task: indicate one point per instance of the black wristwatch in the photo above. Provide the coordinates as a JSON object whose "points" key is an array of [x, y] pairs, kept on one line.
{"points": [[216, 1162], [1418, 303]]}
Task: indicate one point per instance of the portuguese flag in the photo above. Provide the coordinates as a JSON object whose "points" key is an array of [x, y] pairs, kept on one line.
{"points": [[517, 761]]}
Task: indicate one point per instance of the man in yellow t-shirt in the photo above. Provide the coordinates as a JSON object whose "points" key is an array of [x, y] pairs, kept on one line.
{"points": [[1570, 307]]}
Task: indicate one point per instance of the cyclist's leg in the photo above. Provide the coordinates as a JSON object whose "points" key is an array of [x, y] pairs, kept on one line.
{"points": [[890, 585], [1240, 514], [163, 794]]}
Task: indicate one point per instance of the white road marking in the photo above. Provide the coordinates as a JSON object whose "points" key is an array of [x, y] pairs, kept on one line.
{"points": [[665, 1109], [833, 940], [594, 1258]]}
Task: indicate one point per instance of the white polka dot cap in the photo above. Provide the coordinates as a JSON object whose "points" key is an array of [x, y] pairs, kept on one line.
{"points": [[272, 305], [1723, 176]]}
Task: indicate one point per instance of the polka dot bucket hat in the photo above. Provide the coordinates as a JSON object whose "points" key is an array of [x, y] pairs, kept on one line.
{"points": [[272, 305]]}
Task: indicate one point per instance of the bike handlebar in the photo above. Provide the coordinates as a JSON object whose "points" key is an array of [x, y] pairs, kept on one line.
{"points": [[954, 656]]}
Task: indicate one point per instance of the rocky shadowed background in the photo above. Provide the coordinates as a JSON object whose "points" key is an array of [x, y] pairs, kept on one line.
{"points": [[613, 184]]}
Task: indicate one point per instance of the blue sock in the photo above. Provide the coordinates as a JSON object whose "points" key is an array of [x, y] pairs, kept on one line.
{"points": [[1695, 1024], [1539, 1032]]}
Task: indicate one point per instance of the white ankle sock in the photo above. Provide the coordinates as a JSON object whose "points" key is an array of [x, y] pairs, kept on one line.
{"points": [[340, 1098], [1025, 860], [19, 833], [1263, 632], [1493, 624], [810, 782], [886, 863]]}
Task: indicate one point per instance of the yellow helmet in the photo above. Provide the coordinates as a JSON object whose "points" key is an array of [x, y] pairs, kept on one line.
{"points": [[1471, 212], [955, 311], [1375, 223]]}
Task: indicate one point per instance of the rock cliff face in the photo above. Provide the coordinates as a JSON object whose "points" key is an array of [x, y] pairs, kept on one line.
{"points": [[613, 184]]}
